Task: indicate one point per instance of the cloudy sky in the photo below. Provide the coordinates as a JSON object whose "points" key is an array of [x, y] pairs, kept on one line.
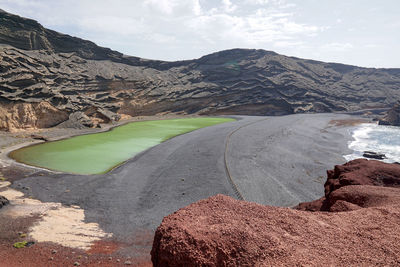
{"points": [[359, 32]]}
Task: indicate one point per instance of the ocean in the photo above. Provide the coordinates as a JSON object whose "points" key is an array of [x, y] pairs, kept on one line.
{"points": [[376, 138]]}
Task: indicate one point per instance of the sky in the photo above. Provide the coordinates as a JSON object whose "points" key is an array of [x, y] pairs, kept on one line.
{"points": [[358, 32]]}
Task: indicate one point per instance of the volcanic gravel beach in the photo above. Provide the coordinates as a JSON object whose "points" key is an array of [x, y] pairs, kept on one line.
{"points": [[277, 161]]}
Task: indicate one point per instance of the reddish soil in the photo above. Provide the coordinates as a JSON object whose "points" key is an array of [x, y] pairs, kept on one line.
{"points": [[361, 228], [102, 253], [42, 254], [49, 254]]}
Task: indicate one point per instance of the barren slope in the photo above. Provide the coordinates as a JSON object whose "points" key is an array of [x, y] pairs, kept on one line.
{"points": [[67, 74]]}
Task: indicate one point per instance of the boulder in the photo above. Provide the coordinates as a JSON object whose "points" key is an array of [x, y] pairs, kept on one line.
{"points": [[3, 201], [373, 155], [361, 227], [363, 172], [77, 120], [355, 172]]}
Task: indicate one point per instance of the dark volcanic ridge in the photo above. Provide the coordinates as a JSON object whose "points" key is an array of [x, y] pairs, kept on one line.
{"points": [[42, 70]]}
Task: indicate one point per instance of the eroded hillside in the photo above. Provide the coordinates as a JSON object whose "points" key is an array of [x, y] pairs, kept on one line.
{"points": [[43, 72]]}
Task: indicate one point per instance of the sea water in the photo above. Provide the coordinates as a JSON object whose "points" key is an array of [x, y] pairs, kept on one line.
{"points": [[376, 138]]}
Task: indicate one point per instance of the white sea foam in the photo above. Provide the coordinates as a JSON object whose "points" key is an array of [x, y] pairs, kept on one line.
{"points": [[376, 138]]}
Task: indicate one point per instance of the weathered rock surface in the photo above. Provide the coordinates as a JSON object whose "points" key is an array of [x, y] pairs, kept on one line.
{"points": [[23, 115], [74, 75], [392, 117], [3, 201], [360, 229], [355, 172]]}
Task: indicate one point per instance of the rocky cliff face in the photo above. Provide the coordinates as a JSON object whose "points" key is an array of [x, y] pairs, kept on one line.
{"points": [[392, 117], [73, 75], [30, 115], [361, 228]]}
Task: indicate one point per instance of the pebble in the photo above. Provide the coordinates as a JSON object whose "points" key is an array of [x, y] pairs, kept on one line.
{"points": [[76, 263], [118, 260], [53, 251], [51, 258], [128, 263]]}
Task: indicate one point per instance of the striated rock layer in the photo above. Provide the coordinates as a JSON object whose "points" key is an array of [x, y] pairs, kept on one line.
{"points": [[75, 75], [360, 229]]}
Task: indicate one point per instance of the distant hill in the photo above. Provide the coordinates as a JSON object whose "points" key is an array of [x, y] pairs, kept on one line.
{"points": [[44, 72]]}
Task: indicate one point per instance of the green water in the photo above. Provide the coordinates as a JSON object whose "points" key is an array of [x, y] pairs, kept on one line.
{"points": [[100, 152]]}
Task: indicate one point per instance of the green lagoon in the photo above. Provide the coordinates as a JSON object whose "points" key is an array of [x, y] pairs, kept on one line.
{"points": [[100, 152]]}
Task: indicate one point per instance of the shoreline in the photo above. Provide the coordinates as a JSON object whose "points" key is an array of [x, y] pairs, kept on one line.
{"points": [[151, 191], [56, 134], [84, 162]]}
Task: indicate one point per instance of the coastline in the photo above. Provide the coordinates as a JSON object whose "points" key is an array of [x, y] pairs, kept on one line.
{"points": [[382, 140], [133, 198]]}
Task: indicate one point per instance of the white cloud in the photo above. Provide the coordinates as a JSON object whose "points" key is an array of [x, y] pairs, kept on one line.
{"points": [[340, 47], [257, 2], [185, 25], [288, 44], [228, 7], [115, 25], [174, 7]]}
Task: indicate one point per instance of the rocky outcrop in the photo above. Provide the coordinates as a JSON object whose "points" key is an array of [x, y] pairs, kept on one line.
{"points": [[373, 155], [221, 231], [355, 172], [75, 75], [3, 201], [22, 115], [392, 117]]}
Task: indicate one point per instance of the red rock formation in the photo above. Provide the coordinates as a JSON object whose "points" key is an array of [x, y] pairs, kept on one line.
{"points": [[355, 172], [221, 231]]}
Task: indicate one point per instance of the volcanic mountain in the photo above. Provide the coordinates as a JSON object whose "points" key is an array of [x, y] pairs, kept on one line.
{"points": [[48, 78]]}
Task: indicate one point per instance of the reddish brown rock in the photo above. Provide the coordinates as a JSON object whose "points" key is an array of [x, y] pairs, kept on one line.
{"points": [[355, 172], [363, 172], [222, 231]]}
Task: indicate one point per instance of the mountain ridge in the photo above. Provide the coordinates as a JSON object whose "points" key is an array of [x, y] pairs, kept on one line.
{"points": [[43, 70]]}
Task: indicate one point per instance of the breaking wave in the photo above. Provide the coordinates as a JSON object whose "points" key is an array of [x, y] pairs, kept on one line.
{"points": [[376, 138]]}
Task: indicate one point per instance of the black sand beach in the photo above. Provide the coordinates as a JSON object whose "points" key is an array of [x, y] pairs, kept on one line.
{"points": [[277, 161]]}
